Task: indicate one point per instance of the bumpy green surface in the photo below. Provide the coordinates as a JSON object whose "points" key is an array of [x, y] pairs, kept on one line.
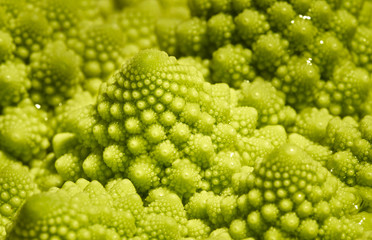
{"points": [[185, 119]]}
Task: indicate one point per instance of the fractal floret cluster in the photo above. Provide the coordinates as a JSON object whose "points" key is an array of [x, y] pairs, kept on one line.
{"points": [[185, 119]]}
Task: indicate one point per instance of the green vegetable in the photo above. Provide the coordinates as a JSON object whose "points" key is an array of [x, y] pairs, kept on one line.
{"points": [[185, 119]]}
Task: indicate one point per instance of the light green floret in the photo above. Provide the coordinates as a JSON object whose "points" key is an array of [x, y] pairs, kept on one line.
{"points": [[4, 20], [95, 168], [45, 174], [274, 233], [241, 183], [164, 217], [256, 224], [196, 207], [73, 160], [344, 25], [165, 30], [143, 172], [253, 148], [30, 32], [103, 51], [207, 8], [345, 228], [184, 177], [238, 229], [300, 34], [14, 83], [179, 134], [13, 8], [275, 134], [250, 24], [347, 90], [69, 165], [151, 7], [55, 74], [221, 30], [24, 132], [231, 65], [299, 79], [224, 99], [200, 8], [280, 15], [165, 153], [77, 116], [192, 38], [160, 109], [197, 229], [64, 17], [366, 107], [269, 52], [353, 6], [201, 64], [220, 234], [72, 157], [362, 149], [365, 127], [238, 6], [125, 197], [175, 9], [301, 6], [344, 165], [244, 120], [138, 25], [361, 47], [365, 194], [321, 14], [221, 210], [291, 186], [157, 226], [96, 11], [289, 222], [220, 6], [365, 17], [365, 217], [318, 152], [269, 102], [364, 174], [312, 123], [81, 210], [163, 202], [200, 150], [222, 168], [343, 134], [7, 46], [327, 51], [16, 185]]}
